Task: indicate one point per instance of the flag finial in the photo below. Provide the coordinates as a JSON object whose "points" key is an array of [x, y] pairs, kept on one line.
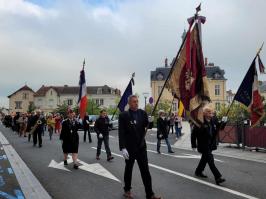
{"points": [[198, 8]]}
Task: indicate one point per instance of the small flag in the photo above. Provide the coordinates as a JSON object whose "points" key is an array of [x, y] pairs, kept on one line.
{"points": [[82, 101], [261, 66], [248, 94], [124, 99]]}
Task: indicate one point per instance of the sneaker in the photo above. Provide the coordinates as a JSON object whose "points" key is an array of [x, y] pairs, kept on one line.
{"points": [[110, 158], [65, 162], [128, 195]]}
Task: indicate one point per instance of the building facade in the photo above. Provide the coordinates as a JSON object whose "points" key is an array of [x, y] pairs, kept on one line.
{"points": [[20, 100], [216, 83], [48, 98]]}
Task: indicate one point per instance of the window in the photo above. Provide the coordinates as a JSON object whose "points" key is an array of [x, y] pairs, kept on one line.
{"points": [[25, 96], [217, 89], [99, 91], [97, 102], [217, 106], [51, 92], [69, 102], [101, 102], [159, 89], [18, 104]]}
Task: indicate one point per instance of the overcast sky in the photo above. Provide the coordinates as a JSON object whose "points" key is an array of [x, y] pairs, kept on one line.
{"points": [[45, 41]]}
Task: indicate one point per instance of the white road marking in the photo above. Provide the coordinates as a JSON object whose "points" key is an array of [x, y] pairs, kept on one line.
{"points": [[95, 168], [194, 179], [184, 156], [29, 184]]}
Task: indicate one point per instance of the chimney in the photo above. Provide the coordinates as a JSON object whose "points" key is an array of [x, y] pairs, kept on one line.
{"points": [[206, 61], [65, 85], [166, 62]]}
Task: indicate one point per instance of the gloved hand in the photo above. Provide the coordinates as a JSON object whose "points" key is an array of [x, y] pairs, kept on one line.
{"points": [[224, 119], [125, 153], [151, 118], [101, 136]]}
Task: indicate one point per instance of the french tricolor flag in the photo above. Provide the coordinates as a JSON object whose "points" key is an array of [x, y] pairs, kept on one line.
{"points": [[82, 101]]}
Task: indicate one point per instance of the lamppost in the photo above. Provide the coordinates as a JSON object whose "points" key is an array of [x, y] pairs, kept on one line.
{"points": [[145, 94]]}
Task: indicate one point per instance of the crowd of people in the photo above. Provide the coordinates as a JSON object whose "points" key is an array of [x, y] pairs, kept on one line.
{"points": [[133, 125]]}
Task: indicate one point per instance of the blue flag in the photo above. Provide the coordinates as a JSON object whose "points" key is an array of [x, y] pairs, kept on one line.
{"points": [[124, 99], [244, 93]]}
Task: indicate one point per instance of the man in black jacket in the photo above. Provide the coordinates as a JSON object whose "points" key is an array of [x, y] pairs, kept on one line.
{"points": [[86, 127], [101, 127], [37, 121], [132, 131], [204, 138]]}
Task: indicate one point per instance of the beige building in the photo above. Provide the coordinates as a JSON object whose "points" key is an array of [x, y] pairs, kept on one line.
{"points": [[216, 82], [48, 98], [20, 100]]}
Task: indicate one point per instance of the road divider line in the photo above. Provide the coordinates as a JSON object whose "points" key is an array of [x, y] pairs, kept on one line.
{"points": [[193, 179]]}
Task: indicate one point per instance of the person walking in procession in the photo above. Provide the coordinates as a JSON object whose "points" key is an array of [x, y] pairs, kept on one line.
{"points": [[86, 127], [203, 138], [101, 127], [132, 131], [70, 138], [162, 132], [37, 128]]}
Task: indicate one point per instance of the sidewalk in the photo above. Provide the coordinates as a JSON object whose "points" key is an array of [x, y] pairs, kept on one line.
{"points": [[16, 179], [223, 149]]}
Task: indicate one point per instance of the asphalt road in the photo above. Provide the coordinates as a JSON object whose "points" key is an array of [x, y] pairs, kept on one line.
{"points": [[172, 175]]}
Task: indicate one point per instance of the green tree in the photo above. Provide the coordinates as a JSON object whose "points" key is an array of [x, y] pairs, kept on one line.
{"points": [[31, 107], [92, 108]]}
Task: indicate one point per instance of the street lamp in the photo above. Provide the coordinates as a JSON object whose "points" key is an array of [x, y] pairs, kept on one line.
{"points": [[145, 94]]}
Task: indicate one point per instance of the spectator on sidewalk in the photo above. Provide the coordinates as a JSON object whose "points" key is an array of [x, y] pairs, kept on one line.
{"points": [[178, 126], [162, 131]]}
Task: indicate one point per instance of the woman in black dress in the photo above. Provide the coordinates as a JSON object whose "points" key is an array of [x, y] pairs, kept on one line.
{"points": [[70, 138]]}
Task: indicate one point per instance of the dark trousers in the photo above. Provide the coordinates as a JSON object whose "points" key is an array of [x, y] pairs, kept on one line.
{"points": [[207, 157], [142, 160], [37, 134], [104, 140], [87, 130], [171, 128]]}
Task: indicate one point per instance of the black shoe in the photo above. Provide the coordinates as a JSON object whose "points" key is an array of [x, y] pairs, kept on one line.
{"points": [[34, 145], [40, 146], [219, 180], [171, 152], [159, 152], [75, 166], [110, 158], [201, 175], [90, 141], [65, 162]]}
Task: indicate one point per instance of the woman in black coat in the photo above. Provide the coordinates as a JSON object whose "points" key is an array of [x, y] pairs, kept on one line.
{"points": [[70, 138], [162, 132]]}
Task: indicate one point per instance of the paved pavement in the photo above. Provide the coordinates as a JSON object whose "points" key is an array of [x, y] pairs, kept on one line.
{"points": [[172, 174]]}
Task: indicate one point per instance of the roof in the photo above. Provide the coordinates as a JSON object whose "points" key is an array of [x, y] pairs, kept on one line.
{"points": [[212, 72], [64, 90], [24, 88]]}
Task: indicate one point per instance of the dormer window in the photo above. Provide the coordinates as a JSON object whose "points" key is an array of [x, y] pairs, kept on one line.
{"points": [[159, 76], [217, 75]]}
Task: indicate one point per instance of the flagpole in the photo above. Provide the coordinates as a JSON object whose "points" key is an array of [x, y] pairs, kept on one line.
{"points": [[257, 54], [132, 76], [172, 68]]}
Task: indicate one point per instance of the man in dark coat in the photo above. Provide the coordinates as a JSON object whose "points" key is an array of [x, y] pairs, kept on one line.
{"points": [[204, 138], [132, 131], [102, 125], [162, 131], [70, 138], [86, 127], [37, 123]]}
